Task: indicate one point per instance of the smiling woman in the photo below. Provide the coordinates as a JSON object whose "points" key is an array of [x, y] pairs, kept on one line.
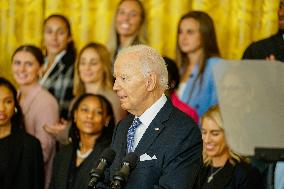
{"points": [[223, 167], [128, 26], [27, 62]]}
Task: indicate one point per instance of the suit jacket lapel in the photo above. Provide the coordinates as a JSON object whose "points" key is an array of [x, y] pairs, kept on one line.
{"points": [[154, 129]]}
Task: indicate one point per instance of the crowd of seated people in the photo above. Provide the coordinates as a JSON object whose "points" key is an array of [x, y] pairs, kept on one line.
{"points": [[70, 100]]}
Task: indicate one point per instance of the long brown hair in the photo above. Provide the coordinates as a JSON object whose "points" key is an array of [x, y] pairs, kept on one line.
{"points": [[208, 41], [141, 37], [107, 80]]}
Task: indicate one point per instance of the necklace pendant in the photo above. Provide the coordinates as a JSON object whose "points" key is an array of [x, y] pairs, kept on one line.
{"points": [[210, 178]]}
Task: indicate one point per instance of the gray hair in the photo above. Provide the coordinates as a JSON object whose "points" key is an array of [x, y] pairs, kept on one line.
{"points": [[151, 61]]}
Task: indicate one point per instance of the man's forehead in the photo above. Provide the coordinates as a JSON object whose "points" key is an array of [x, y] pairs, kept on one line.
{"points": [[126, 57], [129, 61]]}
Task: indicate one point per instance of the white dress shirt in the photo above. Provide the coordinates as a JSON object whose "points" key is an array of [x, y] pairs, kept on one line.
{"points": [[147, 117]]}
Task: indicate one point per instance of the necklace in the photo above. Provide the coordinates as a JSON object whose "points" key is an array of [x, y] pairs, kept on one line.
{"points": [[83, 155], [210, 178]]}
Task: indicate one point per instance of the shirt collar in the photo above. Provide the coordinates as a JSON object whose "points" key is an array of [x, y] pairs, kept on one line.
{"points": [[147, 117]]}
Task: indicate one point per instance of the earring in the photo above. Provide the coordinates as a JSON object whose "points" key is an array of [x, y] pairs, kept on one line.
{"points": [[15, 110], [106, 124]]}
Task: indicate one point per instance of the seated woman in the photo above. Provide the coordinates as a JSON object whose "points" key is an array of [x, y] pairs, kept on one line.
{"points": [[223, 167], [21, 161], [91, 132]]}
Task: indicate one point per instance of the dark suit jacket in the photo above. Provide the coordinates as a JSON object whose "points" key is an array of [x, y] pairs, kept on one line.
{"points": [[66, 175], [265, 47], [176, 144]]}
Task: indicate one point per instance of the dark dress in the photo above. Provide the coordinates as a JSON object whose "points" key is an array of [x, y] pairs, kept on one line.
{"points": [[240, 176], [66, 175], [21, 162]]}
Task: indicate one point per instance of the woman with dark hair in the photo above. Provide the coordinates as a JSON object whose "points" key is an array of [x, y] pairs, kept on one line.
{"points": [[196, 53], [21, 161], [174, 79], [57, 76], [128, 26], [224, 168], [38, 105], [92, 124]]}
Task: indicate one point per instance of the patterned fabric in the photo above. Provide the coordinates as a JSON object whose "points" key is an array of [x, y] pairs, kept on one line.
{"points": [[60, 83], [131, 133]]}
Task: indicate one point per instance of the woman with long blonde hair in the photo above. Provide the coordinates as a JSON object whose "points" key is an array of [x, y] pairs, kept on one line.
{"points": [[223, 168]]}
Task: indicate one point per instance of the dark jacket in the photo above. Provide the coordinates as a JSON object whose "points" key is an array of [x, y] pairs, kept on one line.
{"points": [[265, 47], [66, 175], [240, 176], [173, 139], [22, 156]]}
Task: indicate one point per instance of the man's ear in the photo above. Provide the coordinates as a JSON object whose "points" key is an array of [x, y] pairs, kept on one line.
{"points": [[151, 81]]}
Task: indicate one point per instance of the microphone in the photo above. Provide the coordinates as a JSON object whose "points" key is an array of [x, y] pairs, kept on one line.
{"points": [[121, 176], [97, 174]]}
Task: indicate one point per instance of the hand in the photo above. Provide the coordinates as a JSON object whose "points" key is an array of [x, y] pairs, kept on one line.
{"points": [[270, 57], [59, 131]]}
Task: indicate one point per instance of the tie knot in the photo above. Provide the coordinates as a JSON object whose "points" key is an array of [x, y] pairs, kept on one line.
{"points": [[136, 121]]}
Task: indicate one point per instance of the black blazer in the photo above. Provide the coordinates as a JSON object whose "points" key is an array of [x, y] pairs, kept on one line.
{"points": [[25, 167], [240, 176], [65, 175], [175, 140]]}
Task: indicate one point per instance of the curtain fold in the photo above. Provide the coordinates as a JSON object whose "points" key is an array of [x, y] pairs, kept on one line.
{"points": [[237, 22]]}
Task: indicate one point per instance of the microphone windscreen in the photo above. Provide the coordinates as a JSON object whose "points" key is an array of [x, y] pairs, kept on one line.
{"points": [[131, 158], [108, 154]]}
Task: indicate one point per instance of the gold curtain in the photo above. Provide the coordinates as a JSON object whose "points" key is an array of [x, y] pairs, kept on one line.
{"points": [[238, 22]]}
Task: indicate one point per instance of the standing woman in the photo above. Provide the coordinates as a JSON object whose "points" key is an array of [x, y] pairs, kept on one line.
{"points": [[21, 162], [92, 125], [93, 75], [197, 52], [58, 68], [38, 105], [224, 168], [128, 26]]}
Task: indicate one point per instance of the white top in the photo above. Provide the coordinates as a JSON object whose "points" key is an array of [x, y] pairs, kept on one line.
{"points": [[147, 117], [56, 61], [181, 89]]}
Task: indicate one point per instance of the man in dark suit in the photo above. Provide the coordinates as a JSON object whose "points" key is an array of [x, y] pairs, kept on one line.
{"points": [[270, 48], [167, 142]]}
